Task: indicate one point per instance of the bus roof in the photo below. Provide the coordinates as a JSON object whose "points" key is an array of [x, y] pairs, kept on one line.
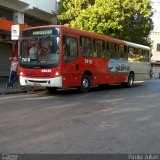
{"points": [[137, 45], [80, 32], [91, 34]]}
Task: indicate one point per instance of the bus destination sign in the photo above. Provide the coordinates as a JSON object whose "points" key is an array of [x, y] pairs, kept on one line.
{"points": [[42, 32]]}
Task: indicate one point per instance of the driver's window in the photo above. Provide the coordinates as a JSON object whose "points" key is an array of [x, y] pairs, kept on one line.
{"points": [[70, 49], [54, 46]]}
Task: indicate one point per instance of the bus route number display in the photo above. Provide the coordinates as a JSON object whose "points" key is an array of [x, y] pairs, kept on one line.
{"points": [[88, 61]]}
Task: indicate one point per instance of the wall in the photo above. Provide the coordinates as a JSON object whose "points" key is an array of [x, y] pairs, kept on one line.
{"points": [[156, 16], [45, 5], [155, 37]]}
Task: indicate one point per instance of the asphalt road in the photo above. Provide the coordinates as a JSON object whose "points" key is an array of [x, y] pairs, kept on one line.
{"points": [[110, 120]]}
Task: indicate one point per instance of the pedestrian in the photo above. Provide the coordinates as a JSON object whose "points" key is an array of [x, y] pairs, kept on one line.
{"points": [[13, 72]]}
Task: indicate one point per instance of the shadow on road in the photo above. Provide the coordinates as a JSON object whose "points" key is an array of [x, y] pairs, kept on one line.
{"points": [[71, 91]]}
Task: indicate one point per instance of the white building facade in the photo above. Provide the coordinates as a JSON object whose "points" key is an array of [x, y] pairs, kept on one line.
{"points": [[40, 9], [155, 59], [155, 38]]}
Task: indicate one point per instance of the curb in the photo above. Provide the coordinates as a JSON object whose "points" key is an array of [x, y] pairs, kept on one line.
{"points": [[12, 92], [20, 91]]}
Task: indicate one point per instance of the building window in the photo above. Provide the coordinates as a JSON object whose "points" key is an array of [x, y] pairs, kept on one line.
{"points": [[158, 47], [33, 21], [6, 14]]}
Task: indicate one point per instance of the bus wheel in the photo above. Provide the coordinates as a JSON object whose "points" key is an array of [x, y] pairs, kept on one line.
{"points": [[52, 89], [85, 84], [130, 81]]}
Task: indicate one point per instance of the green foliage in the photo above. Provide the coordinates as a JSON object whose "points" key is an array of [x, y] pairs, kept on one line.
{"points": [[123, 19]]}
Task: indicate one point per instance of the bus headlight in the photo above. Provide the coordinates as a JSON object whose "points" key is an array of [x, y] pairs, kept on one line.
{"points": [[57, 73], [21, 73]]}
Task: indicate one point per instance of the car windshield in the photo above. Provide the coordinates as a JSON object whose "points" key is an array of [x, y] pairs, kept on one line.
{"points": [[40, 51]]}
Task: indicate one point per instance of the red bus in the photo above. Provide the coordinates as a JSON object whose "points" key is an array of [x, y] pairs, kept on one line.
{"points": [[57, 56]]}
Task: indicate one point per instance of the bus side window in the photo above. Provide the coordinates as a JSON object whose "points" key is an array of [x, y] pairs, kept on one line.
{"points": [[116, 52], [112, 49], [64, 46], [126, 52], [146, 55], [140, 56], [103, 49], [70, 49], [131, 54], [95, 49], [121, 51], [99, 48], [86, 46], [108, 53]]}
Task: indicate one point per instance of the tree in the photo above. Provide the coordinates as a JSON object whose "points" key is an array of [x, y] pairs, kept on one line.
{"points": [[123, 19]]}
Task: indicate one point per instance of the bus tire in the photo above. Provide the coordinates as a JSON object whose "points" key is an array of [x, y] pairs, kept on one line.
{"points": [[130, 81], [52, 89], [85, 83]]}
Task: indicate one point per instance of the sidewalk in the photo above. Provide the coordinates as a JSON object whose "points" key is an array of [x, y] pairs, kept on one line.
{"points": [[16, 87], [3, 90]]}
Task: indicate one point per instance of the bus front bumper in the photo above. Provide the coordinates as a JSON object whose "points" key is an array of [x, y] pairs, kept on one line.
{"points": [[43, 82]]}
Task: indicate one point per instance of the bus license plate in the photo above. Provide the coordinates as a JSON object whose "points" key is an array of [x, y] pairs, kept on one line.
{"points": [[37, 84]]}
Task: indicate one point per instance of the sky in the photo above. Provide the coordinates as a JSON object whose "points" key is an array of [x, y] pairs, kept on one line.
{"points": [[156, 17]]}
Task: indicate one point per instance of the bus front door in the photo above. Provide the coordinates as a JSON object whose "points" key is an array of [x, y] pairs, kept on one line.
{"points": [[70, 61]]}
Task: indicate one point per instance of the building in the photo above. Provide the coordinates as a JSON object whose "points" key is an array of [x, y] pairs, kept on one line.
{"points": [[155, 38], [25, 13], [155, 59]]}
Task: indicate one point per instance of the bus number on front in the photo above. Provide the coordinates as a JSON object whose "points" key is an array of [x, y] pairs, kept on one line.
{"points": [[88, 61]]}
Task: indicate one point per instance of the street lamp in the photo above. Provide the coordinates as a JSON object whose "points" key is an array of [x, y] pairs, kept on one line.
{"points": [[57, 4]]}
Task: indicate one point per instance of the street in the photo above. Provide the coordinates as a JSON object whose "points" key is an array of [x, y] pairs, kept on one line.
{"points": [[110, 120]]}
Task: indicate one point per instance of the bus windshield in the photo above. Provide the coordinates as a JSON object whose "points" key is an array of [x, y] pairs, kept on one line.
{"points": [[40, 51]]}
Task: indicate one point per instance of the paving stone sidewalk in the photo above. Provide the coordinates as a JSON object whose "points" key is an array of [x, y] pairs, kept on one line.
{"points": [[16, 87]]}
